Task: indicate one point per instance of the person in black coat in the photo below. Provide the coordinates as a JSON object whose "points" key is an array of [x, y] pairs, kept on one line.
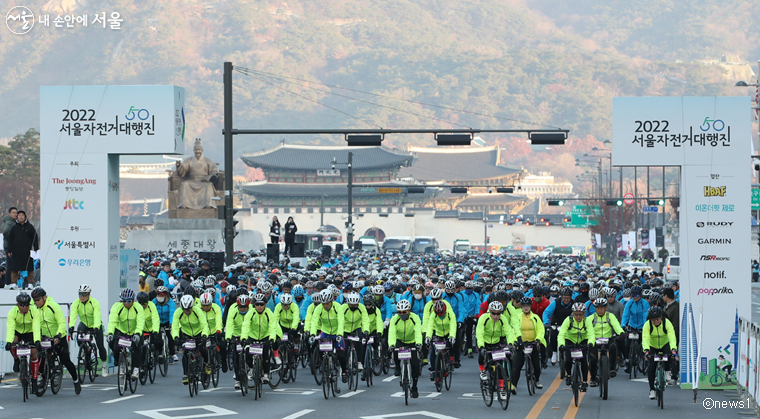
{"points": [[290, 235], [22, 240], [274, 230]]}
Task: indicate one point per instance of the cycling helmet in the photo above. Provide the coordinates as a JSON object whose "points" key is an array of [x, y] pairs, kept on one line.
{"points": [[593, 294], [655, 299], [554, 289], [286, 299], [298, 291], [186, 302], [403, 305], [436, 294], [450, 286], [352, 299], [23, 299], [388, 286], [496, 306], [231, 288], [38, 292], [419, 288], [526, 301], [316, 298], [84, 288], [125, 295], [369, 301], [243, 300], [636, 291], [646, 293], [142, 297], [600, 302], [469, 285], [655, 312], [439, 308], [501, 296], [626, 293], [265, 287], [209, 281], [162, 290], [585, 286], [206, 299], [192, 291], [517, 295], [378, 290], [326, 296], [579, 307]]}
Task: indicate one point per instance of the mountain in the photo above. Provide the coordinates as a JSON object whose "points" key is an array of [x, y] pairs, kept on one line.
{"points": [[546, 62]]}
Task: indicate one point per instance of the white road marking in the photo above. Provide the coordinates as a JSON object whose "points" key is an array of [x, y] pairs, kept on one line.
{"points": [[418, 413], [351, 394], [389, 379], [430, 395], [134, 396], [212, 412], [299, 414]]}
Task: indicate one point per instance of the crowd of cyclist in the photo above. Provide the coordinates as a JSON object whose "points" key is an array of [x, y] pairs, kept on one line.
{"points": [[473, 303]]}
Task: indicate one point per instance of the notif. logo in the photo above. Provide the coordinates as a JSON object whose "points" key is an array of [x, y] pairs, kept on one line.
{"points": [[73, 204], [715, 191]]}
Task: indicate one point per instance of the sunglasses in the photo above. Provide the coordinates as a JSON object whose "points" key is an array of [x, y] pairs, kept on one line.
{"points": [[84, 294], [23, 305], [127, 301], [38, 299], [259, 304]]}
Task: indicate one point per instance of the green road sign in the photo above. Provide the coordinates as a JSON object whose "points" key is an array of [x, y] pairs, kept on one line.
{"points": [[755, 199]]}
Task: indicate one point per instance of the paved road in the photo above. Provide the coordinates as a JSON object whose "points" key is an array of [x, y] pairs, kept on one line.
{"points": [[756, 302], [627, 399]]}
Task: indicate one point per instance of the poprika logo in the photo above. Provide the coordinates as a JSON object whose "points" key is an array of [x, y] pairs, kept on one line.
{"points": [[716, 224], [715, 191], [73, 204], [713, 257], [713, 291], [713, 241], [19, 20], [715, 275]]}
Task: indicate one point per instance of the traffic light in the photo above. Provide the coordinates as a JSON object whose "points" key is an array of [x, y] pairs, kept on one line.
{"points": [[543, 219], [234, 221], [660, 202], [615, 203], [488, 239], [566, 219], [556, 203]]}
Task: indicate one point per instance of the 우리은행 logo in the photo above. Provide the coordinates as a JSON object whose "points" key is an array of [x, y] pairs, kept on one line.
{"points": [[61, 262], [19, 20]]}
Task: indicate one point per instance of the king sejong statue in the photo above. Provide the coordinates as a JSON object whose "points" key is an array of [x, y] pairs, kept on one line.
{"points": [[198, 175]]}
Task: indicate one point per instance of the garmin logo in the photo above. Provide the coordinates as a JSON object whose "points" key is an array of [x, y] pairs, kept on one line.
{"points": [[714, 241]]}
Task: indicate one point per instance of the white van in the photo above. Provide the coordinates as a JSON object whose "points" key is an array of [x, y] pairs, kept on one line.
{"points": [[369, 244], [672, 268]]}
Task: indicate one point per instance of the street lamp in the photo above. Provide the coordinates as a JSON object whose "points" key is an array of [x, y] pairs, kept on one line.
{"points": [[349, 223]]}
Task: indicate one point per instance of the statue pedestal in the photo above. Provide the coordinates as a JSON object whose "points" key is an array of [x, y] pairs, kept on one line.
{"points": [[192, 235], [193, 213]]}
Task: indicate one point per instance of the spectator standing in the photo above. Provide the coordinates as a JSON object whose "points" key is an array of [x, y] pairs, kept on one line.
{"points": [[274, 230], [755, 270], [9, 220], [290, 235], [22, 240]]}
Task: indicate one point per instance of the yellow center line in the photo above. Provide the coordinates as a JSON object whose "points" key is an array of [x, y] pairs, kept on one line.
{"points": [[572, 410], [9, 380], [539, 406]]}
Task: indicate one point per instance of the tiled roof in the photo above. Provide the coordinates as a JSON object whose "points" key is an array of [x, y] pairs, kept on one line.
{"points": [[489, 199], [312, 189], [447, 214], [455, 164], [289, 156]]}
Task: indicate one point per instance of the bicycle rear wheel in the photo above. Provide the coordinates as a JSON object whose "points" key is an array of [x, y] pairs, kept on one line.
{"points": [[303, 352], [448, 371], [132, 383], [604, 376], [43, 377], [503, 399], [561, 360], [242, 374], [529, 376], [377, 361], [576, 377], [326, 371]]}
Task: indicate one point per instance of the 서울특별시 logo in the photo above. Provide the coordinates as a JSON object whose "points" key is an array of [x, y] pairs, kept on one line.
{"points": [[715, 275], [713, 241], [73, 204], [713, 257], [715, 191], [708, 224]]}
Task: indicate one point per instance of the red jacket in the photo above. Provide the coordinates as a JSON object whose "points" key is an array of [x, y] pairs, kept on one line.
{"points": [[483, 309], [538, 308]]}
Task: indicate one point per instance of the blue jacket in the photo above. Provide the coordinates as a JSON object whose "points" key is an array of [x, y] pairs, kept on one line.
{"points": [[304, 306], [165, 311], [549, 312], [457, 304], [635, 314], [471, 303], [590, 308], [418, 306], [388, 307]]}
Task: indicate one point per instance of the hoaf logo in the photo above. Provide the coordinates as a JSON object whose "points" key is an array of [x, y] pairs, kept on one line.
{"points": [[713, 291], [73, 204], [713, 257], [715, 191], [715, 275], [709, 224]]}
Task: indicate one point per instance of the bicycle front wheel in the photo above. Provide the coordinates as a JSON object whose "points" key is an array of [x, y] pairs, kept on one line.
{"points": [[242, 374], [487, 386], [43, 377], [82, 363], [529, 375], [285, 357], [405, 381], [316, 367], [152, 367], [121, 374], [326, 371], [448, 371], [503, 392], [576, 377], [604, 376], [440, 367]]}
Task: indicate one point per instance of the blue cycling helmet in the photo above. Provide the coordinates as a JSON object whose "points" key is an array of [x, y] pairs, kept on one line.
{"points": [[636, 291], [298, 291], [388, 286], [126, 295]]}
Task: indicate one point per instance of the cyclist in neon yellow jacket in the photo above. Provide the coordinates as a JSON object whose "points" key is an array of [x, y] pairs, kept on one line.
{"points": [[288, 317], [579, 330], [492, 331], [606, 326], [152, 320], [405, 331], [356, 323], [531, 330], [443, 326], [214, 317], [127, 320], [328, 319], [88, 310], [190, 324], [658, 336], [261, 326], [234, 329], [375, 320], [23, 324]]}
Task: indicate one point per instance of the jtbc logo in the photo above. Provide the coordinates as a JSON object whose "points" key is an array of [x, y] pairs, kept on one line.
{"points": [[73, 204], [715, 191], [715, 275]]}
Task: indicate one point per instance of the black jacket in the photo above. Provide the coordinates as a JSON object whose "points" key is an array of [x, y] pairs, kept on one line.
{"points": [[22, 240], [290, 231]]}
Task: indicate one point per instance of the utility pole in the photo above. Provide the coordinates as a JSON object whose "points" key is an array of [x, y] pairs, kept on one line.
{"points": [[322, 211], [350, 229], [229, 232]]}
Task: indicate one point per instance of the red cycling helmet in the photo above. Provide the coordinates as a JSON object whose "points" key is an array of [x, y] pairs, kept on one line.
{"points": [[439, 308]]}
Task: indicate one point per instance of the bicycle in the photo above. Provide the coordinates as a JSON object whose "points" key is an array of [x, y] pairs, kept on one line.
{"points": [[443, 367], [256, 351], [241, 372], [604, 365], [87, 360], [660, 381], [50, 369], [719, 377], [369, 363], [576, 353], [498, 372], [352, 362], [215, 359], [378, 360], [635, 354], [316, 363], [329, 368], [163, 366], [289, 360], [149, 365], [275, 371], [193, 366], [530, 378], [405, 358], [303, 349], [24, 353], [124, 371]]}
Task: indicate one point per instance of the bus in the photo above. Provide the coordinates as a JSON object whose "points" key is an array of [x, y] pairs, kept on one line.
{"points": [[424, 244]]}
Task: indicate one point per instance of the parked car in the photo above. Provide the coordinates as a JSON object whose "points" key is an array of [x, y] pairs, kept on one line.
{"points": [[672, 268], [628, 267]]}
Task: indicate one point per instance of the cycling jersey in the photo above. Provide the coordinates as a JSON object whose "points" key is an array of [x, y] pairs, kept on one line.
{"points": [[489, 332], [576, 332], [355, 319], [418, 306], [89, 313], [330, 321], [407, 331], [289, 318], [23, 323], [235, 318], [213, 319], [470, 303], [129, 321], [443, 327], [388, 305], [260, 326], [635, 313], [52, 323], [375, 319], [528, 332], [429, 310], [457, 304], [193, 324], [605, 325], [307, 319], [152, 322], [656, 337]]}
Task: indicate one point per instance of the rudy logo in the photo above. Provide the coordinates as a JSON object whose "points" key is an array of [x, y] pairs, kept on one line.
{"points": [[715, 224], [715, 191], [58, 243], [73, 204]]}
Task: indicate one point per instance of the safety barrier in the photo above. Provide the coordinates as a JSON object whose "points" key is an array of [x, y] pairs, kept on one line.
{"points": [[748, 374]]}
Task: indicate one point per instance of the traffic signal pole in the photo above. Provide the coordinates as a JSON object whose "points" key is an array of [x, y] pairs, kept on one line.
{"points": [[229, 229]]}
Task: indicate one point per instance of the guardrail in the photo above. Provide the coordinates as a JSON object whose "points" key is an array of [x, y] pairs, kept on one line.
{"points": [[747, 372]]}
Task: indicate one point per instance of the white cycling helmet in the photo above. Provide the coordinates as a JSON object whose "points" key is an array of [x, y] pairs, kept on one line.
{"points": [[206, 299], [186, 302], [496, 306], [450, 286], [403, 305], [326, 296], [352, 299], [264, 287], [317, 298], [286, 299], [84, 288], [378, 290], [436, 294]]}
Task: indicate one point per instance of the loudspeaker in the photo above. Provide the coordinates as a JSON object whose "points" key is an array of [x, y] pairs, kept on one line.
{"points": [[338, 247], [273, 253], [358, 245], [296, 250], [212, 256], [217, 266], [326, 251]]}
